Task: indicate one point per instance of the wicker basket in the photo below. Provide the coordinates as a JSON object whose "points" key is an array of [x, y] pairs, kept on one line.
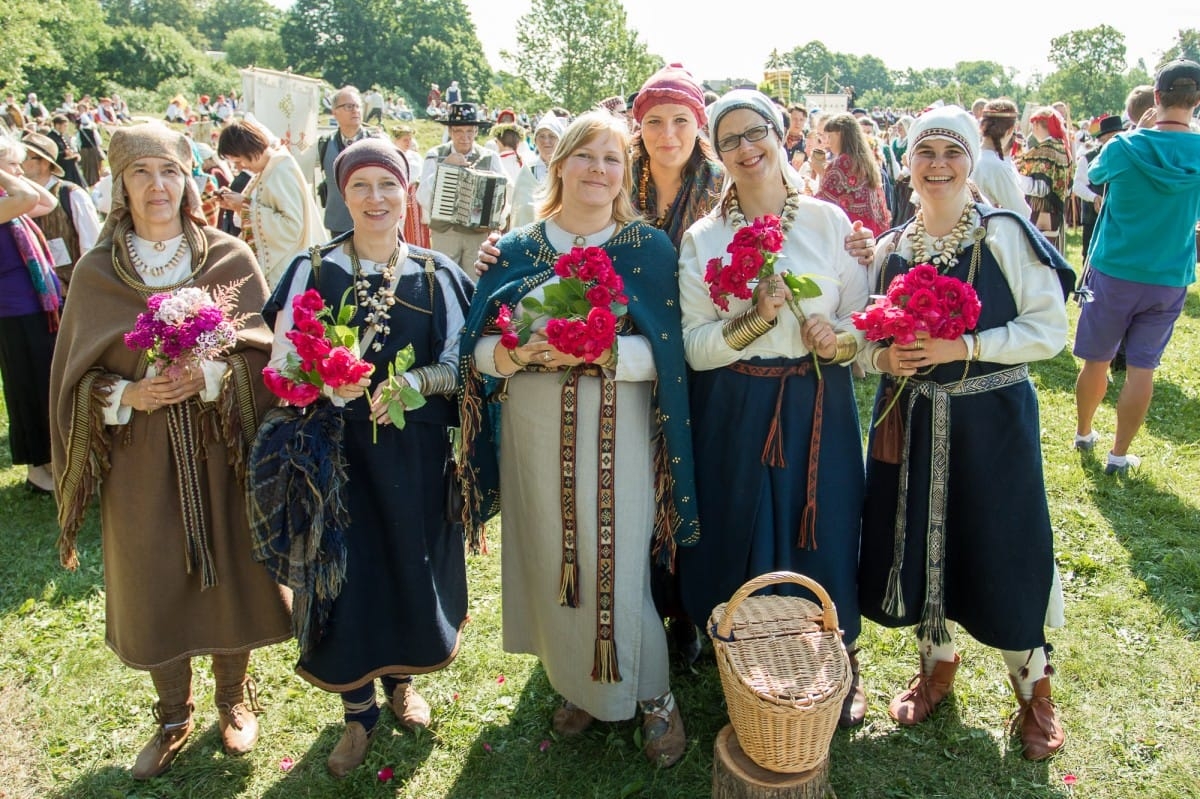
{"points": [[784, 671]]}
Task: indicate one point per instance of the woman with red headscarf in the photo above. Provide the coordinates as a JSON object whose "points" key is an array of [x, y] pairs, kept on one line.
{"points": [[1046, 158]]}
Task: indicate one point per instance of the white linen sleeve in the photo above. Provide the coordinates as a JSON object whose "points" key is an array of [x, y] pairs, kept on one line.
{"points": [[1039, 330], [703, 342], [114, 412]]}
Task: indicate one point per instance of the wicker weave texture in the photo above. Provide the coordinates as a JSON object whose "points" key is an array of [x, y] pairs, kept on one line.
{"points": [[784, 672]]}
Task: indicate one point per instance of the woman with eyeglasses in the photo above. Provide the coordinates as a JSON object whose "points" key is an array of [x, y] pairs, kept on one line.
{"points": [[779, 470]]}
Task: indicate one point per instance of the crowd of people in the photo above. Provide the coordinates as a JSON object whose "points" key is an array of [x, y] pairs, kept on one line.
{"points": [[329, 517]]}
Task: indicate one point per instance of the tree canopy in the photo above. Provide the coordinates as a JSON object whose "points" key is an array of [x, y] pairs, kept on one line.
{"points": [[569, 52], [578, 52]]}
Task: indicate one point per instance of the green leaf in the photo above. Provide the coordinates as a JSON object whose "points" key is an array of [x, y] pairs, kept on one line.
{"points": [[411, 398], [533, 305], [405, 358], [803, 287], [395, 412]]}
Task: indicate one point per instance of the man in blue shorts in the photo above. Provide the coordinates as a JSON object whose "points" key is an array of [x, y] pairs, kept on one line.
{"points": [[1143, 258]]}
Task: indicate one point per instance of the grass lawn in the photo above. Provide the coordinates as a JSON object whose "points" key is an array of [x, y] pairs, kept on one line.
{"points": [[1128, 680]]}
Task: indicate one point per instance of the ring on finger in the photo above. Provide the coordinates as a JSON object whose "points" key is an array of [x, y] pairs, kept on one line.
{"points": [[919, 344]]}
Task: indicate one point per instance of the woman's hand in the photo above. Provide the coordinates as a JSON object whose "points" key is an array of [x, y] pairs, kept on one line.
{"points": [[818, 335], [152, 393], [861, 244], [905, 360], [770, 294], [488, 253], [352, 391]]}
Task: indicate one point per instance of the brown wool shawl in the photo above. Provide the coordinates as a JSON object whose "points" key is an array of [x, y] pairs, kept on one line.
{"points": [[91, 352]]}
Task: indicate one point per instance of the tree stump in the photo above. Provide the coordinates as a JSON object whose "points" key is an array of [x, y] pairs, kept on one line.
{"points": [[736, 776]]}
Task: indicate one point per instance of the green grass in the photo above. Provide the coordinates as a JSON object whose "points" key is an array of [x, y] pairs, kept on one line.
{"points": [[1128, 680]]}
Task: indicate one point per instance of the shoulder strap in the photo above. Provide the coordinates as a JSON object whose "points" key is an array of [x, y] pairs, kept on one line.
{"points": [[64, 200]]}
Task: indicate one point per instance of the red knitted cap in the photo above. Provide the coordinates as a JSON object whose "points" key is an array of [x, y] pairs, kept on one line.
{"points": [[671, 84]]}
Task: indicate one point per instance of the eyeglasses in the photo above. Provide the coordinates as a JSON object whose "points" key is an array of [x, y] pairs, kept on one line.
{"points": [[351, 106], [756, 133]]}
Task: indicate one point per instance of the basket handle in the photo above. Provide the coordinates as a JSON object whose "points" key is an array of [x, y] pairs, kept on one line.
{"points": [[829, 619]]}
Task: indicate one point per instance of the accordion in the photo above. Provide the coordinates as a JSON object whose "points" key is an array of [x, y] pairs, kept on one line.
{"points": [[468, 197]]}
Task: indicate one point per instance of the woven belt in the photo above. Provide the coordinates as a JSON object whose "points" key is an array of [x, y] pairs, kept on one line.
{"points": [[933, 615], [772, 452]]}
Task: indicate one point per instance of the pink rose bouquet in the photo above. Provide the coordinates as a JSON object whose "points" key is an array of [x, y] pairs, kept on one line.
{"points": [[326, 352], [583, 307], [919, 300]]}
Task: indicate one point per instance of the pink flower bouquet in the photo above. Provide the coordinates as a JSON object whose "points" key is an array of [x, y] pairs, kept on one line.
{"points": [[185, 326]]}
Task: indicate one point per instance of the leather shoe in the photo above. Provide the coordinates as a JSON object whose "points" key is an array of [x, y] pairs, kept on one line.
{"points": [[925, 692], [409, 707], [1037, 720], [665, 740], [159, 751], [351, 750], [239, 728], [570, 720], [854, 706]]}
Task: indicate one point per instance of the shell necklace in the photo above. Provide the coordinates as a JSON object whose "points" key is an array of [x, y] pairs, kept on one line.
{"points": [[946, 248], [378, 306], [155, 271], [786, 218]]}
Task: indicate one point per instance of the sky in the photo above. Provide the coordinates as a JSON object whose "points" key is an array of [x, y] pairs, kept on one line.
{"points": [[926, 37]]}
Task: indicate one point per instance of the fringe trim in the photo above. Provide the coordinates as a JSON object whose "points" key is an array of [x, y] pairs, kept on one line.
{"points": [[604, 665], [666, 515], [88, 448], [237, 415], [470, 418]]}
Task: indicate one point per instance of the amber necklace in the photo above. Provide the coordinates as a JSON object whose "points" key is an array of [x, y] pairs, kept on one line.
{"points": [[643, 195], [378, 306]]}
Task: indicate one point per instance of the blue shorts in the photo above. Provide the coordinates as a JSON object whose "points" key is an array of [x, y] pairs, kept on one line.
{"points": [[1141, 314]]}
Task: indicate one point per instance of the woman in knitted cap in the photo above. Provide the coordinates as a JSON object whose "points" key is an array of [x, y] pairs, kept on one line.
{"points": [[943, 543], [759, 410], [403, 598], [524, 200], [169, 448]]}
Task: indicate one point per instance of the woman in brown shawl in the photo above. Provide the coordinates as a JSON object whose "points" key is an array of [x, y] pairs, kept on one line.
{"points": [[166, 453]]}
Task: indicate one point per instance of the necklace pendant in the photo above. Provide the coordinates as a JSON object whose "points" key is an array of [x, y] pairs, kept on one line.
{"points": [[160, 246]]}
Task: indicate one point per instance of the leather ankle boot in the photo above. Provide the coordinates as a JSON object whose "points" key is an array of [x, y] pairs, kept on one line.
{"points": [[1037, 721], [174, 726], [570, 720], [925, 692], [351, 750], [410, 707], [236, 719], [662, 731], [854, 706]]}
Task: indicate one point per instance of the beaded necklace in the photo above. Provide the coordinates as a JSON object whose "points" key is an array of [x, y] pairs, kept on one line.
{"points": [[946, 247], [786, 218], [155, 271], [378, 305], [644, 193]]}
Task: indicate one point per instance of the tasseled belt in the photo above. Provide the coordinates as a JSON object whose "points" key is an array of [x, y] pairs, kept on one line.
{"points": [[933, 616], [772, 452]]}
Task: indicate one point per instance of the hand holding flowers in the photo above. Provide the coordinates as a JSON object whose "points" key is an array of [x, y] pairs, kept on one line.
{"points": [[582, 309], [921, 306], [180, 331]]}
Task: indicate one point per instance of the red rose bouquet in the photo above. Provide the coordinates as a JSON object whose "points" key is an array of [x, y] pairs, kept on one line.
{"points": [[753, 252], [327, 355], [920, 300], [583, 307], [188, 325]]}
